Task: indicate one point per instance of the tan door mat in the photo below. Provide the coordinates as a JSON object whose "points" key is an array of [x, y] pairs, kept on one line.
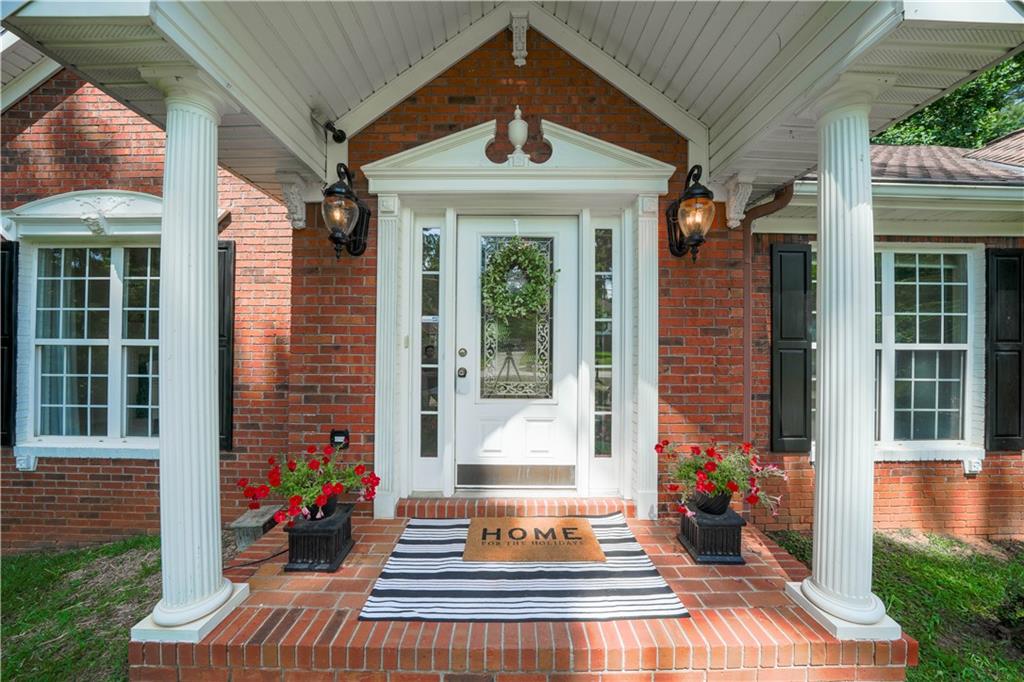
{"points": [[539, 539]]}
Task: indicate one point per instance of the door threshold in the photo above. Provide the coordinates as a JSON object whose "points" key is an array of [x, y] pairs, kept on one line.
{"points": [[529, 493]]}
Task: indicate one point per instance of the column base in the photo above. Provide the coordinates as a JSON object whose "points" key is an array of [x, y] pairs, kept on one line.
{"points": [[646, 504], [884, 630], [146, 630], [384, 504]]}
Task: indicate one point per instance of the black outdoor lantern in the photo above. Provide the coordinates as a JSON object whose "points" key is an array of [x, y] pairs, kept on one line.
{"points": [[690, 216], [346, 217]]}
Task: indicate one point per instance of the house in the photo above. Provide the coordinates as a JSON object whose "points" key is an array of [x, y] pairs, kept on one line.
{"points": [[277, 340]]}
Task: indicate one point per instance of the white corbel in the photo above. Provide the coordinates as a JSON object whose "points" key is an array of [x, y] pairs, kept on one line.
{"points": [[737, 192], [297, 191], [520, 22]]}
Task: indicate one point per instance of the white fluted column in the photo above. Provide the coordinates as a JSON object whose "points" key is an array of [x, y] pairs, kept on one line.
{"points": [[196, 594], [838, 592]]}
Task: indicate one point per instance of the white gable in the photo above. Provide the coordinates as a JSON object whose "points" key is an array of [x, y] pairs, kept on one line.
{"points": [[458, 164]]}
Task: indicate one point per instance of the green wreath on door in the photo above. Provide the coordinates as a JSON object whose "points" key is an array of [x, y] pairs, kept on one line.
{"points": [[517, 281]]}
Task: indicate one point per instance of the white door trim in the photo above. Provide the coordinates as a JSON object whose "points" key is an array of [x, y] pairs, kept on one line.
{"points": [[453, 176]]}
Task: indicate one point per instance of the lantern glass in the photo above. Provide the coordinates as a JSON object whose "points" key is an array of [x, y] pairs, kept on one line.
{"points": [[695, 216], [341, 213]]}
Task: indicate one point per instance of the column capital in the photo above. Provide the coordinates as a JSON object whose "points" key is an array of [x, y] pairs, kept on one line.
{"points": [[190, 86], [852, 90]]}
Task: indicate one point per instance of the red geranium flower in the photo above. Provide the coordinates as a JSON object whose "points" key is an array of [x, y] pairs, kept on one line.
{"points": [[242, 482], [280, 516], [314, 464], [294, 510], [249, 491], [752, 482], [338, 489], [254, 505], [320, 501], [752, 498], [665, 442], [326, 460], [681, 508], [262, 491], [311, 449], [673, 487], [370, 494], [694, 450], [731, 485], [710, 466], [327, 489], [291, 524], [272, 461], [328, 449], [746, 448], [295, 500], [292, 464], [360, 470], [659, 448]]}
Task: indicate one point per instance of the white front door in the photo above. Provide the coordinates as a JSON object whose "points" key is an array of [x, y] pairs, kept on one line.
{"points": [[516, 386]]}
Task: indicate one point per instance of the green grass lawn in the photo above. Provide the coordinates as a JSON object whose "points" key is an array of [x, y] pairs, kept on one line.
{"points": [[66, 616], [963, 604]]}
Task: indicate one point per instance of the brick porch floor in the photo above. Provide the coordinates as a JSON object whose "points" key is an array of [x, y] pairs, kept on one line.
{"points": [[305, 627]]}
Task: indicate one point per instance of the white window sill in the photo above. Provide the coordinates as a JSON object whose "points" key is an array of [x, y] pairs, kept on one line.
{"points": [[923, 451], [26, 454]]}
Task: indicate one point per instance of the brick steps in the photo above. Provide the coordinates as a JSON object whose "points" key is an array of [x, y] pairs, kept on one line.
{"points": [[469, 507]]}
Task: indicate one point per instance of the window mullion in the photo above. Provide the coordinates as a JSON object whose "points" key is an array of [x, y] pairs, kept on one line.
{"points": [[887, 371], [115, 364]]}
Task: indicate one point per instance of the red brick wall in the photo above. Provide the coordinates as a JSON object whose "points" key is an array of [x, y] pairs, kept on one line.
{"points": [[66, 136], [333, 312], [928, 496]]}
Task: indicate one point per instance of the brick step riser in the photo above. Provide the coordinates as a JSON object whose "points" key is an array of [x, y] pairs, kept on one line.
{"points": [[469, 507]]}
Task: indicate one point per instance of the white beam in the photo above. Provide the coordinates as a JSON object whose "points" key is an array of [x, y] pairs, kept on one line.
{"points": [[425, 70], [27, 81], [270, 97], [808, 64], [634, 87]]}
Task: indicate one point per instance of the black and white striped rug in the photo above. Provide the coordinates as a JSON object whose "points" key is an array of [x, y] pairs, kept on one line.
{"points": [[425, 579]]}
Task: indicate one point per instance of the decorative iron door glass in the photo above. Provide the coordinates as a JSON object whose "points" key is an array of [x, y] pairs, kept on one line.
{"points": [[517, 335]]}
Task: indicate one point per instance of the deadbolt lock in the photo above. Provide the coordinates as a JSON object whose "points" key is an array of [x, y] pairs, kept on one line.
{"points": [[461, 373]]}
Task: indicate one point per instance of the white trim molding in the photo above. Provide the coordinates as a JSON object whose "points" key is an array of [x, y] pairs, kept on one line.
{"points": [[452, 176]]}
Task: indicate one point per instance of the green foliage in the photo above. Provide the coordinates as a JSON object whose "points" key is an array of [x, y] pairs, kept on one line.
{"points": [[958, 602], [309, 482], [66, 616], [973, 115], [517, 257]]}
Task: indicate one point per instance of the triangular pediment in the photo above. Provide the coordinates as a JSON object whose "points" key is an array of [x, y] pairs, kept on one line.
{"points": [[578, 163]]}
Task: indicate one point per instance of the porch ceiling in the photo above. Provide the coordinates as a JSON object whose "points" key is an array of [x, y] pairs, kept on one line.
{"points": [[739, 75]]}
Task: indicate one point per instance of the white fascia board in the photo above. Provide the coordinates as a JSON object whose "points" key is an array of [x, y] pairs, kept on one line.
{"points": [[273, 100], [63, 9], [974, 12], [27, 81], [425, 70], [776, 224], [634, 87], [830, 44], [928, 196]]}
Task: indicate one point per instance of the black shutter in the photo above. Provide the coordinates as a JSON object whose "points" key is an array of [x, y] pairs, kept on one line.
{"points": [[791, 348], [1004, 352], [8, 336], [226, 337]]}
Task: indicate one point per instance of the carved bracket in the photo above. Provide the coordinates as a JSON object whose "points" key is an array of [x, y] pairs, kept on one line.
{"points": [[297, 192], [737, 193], [24, 459], [519, 24]]}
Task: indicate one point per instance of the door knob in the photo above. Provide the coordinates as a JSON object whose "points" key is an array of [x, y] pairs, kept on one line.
{"points": [[461, 373]]}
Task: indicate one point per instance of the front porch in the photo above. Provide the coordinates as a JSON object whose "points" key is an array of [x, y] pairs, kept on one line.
{"points": [[742, 624]]}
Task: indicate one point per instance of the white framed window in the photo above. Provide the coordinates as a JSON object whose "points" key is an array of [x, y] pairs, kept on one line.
{"points": [[93, 346], [929, 351]]}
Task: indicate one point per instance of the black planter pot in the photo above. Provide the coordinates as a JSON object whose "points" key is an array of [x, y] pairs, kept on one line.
{"points": [[328, 509], [715, 505], [321, 544]]}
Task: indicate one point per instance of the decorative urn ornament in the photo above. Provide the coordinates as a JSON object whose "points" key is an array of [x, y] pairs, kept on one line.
{"points": [[689, 218], [705, 482], [319, 527]]}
